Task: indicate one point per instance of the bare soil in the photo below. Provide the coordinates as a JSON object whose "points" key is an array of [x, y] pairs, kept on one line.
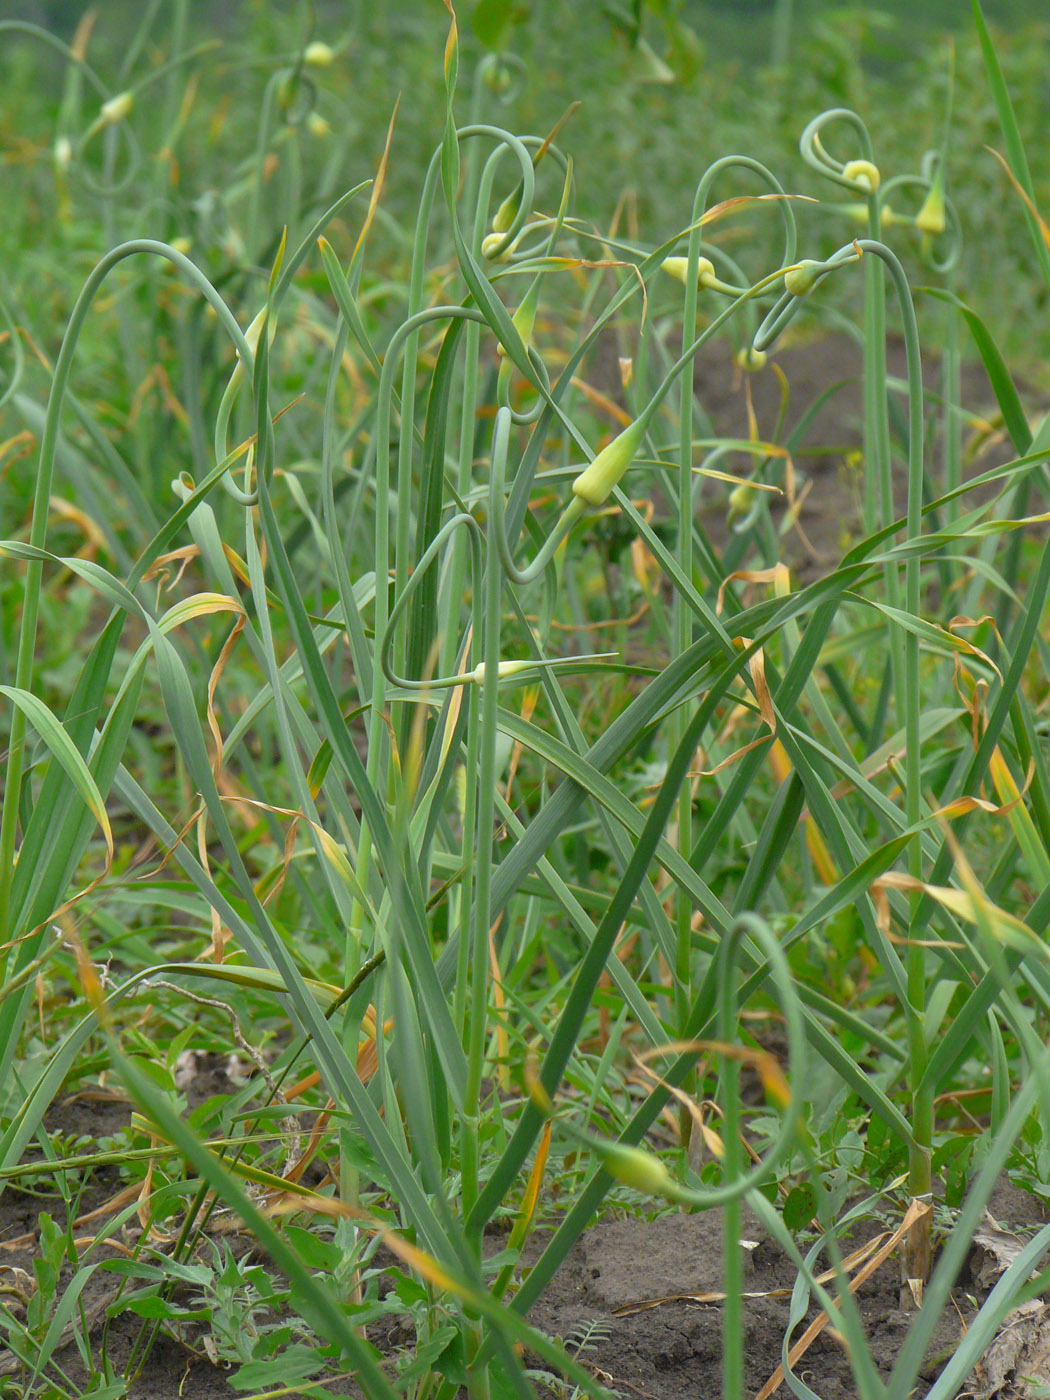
{"points": [[827, 461], [630, 1300]]}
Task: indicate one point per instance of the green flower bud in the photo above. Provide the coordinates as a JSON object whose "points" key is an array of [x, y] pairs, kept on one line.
{"points": [[507, 212], [595, 483], [862, 173], [637, 1168], [524, 320], [740, 499], [679, 269], [497, 78], [798, 280]]}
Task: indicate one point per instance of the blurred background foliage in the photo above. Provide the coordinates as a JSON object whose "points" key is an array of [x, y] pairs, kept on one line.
{"points": [[664, 87]]}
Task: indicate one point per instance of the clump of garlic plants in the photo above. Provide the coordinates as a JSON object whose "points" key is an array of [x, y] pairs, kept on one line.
{"points": [[433, 825]]}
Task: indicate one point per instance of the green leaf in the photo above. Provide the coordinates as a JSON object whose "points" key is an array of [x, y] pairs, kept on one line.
{"points": [[1015, 152], [800, 1206], [995, 367], [151, 1305], [294, 1364], [62, 748]]}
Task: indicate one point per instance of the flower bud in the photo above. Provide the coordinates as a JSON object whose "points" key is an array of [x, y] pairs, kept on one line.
{"points": [[595, 483], [63, 153], [497, 78], [254, 331], [317, 126], [740, 499], [930, 218], [750, 359], [798, 280], [637, 1168], [507, 212], [862, 173], [504, 669], [858, 214], [252, 335], [116, 109], [524, 320], [491, 244], [318, 55], [181, 245], [679, 269]]}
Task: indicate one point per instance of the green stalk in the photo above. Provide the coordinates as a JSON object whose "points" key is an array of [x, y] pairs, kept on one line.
{"points": [[682, 619], [732, 1171], [917, 1254]]}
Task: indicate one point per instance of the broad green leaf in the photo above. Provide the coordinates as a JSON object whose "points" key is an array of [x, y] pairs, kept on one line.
{"points": [[66, 754]]}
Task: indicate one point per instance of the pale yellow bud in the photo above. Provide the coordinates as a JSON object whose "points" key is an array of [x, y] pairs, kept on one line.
{"points": [[490, 247], [862, 173], [931, 218], [750, 359], [504, 669], [181, 245], [318, 55], [252, 335], [254, 331], [63, 153], [678, 268], [116, 109], [858, 214], [595, 483], [317, 126]]}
